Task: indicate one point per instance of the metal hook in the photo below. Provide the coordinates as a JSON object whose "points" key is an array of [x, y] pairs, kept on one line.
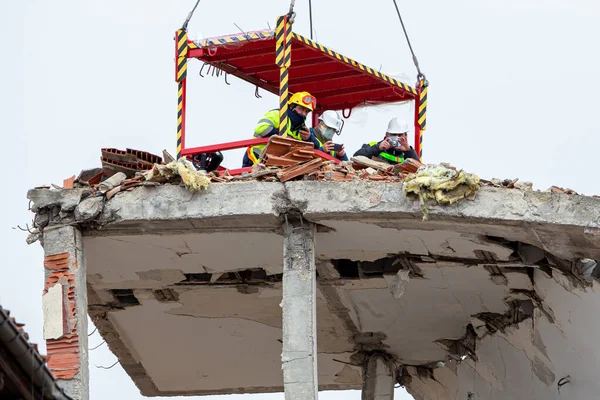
{"points": [[201, 68], [256, 94], [344, 113], [563, 381], [226, 79]]}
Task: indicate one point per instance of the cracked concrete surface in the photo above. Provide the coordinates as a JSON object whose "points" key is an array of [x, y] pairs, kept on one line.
{"points": [[502, 267]]}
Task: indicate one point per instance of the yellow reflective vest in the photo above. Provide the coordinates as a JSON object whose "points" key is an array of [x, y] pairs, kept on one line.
{"points": [[267, 126]]}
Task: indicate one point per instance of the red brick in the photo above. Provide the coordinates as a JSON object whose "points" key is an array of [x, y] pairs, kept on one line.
{"points": [[57, 261]]}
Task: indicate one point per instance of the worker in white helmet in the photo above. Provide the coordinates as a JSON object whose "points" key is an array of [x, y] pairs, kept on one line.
{"points": [[394, 147], [330, 124]]}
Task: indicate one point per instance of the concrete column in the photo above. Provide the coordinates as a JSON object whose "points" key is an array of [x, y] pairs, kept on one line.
{"points": [[299, 357], [65, 309], [378, 379]]}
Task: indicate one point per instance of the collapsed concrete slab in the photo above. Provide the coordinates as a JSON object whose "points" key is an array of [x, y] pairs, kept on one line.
{"points": [[487, 296]]}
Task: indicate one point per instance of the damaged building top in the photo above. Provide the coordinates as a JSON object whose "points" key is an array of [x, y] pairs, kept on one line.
{"points": [[422, 276]]}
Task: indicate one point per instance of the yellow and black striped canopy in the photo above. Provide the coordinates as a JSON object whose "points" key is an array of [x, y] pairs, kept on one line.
{"points": [[336, 81]]}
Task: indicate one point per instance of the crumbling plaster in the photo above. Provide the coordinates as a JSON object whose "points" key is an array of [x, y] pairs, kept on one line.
{"points": [[530, 359], [439, 306]]}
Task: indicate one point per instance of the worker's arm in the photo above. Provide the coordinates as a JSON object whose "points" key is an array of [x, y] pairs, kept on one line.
{"points": [[266, 127], [341, 158], [368, 150]]}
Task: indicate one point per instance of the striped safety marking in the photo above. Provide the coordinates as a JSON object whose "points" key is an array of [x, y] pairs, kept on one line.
{"points": [[179, 117], [182, 52], [268, 34], [356, 64], [422, 119], [423, 106], [235, 39], [283, 56]]}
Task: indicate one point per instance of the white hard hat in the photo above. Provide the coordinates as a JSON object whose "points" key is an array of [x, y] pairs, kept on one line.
{"points": [[332, 119], [397, 126]]}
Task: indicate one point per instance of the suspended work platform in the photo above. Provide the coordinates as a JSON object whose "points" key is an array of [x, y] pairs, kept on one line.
{"points": [[338, 82], [283, 62]]}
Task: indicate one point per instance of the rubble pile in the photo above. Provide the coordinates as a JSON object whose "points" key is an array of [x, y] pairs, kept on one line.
{"points": [[286, 159], [127, 161], [524, 185]]}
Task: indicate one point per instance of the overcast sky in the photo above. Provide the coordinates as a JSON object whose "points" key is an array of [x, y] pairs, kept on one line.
{"points": [[514, 86]]}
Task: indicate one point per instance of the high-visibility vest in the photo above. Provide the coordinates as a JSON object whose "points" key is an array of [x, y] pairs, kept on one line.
{"points": [[387, 156], [268, 125]]}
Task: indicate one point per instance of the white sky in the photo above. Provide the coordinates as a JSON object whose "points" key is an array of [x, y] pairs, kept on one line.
{"points": [[513, 94]]}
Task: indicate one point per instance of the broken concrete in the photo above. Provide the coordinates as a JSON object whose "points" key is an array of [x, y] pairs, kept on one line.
{"points": [[67, 200], [379, 378], [89, 208], [66, 298], [502, 278]]}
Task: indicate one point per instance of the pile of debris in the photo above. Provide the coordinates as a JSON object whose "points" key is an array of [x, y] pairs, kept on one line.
{"points": [[283, 160], [524, 185], [176, 172], [126, 169], [507, 183], [286, 159], [127, 161]]}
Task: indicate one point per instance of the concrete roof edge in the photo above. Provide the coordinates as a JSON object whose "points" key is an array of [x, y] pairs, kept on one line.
{"points": [[258, 206], [385, 200]]}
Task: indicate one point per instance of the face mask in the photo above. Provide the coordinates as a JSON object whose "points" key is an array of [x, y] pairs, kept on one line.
{"points": [[296, 120], [328, 133]]}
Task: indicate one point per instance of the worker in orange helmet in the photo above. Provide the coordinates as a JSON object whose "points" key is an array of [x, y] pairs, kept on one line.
{"points": [[299, 106]]}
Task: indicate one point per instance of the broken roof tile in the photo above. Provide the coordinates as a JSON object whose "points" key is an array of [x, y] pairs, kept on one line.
{"points": [[68, 183], [300, 169]]}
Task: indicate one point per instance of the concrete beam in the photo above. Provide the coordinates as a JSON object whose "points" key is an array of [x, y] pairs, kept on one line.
{"points": [[65, 298], [378, 379], [299, 357], [173, 208], [387, 201]]}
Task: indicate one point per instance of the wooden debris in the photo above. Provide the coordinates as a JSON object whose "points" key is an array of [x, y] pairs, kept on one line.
{"points": [[362, 162]]}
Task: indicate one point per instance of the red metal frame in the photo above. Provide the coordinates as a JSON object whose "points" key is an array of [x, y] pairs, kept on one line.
{"points": [[183, 107], [417, 146], [337, 82], [223, 146]]}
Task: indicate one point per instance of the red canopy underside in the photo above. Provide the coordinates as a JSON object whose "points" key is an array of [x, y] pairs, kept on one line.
{"points": [[335, 83]]}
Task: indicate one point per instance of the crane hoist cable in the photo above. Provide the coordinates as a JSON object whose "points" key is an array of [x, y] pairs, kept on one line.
{"points": [[291, 14], [187, 20], [310, 18], [420, 75]]}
